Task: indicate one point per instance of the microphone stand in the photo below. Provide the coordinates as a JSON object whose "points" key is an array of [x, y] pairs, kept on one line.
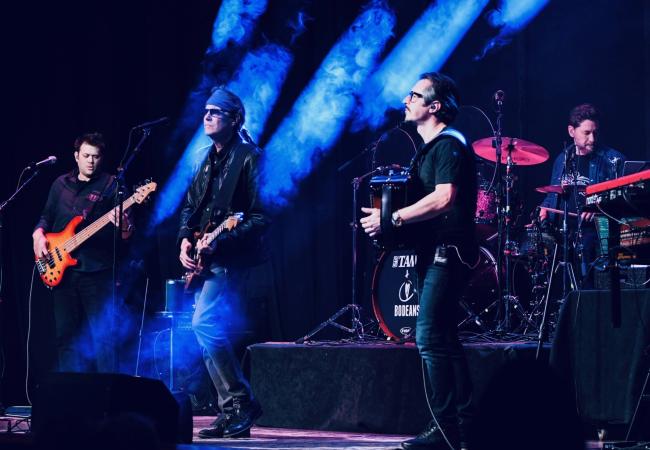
{"points": [[3, 205], [502, 308], [357, 326], [118, 200]]}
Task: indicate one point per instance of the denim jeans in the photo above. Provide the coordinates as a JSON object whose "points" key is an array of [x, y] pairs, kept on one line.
{"points": [[85, 322], [219, 313], [436, 336]]}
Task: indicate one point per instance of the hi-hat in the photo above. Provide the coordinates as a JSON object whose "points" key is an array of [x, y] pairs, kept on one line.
{"points": [[523, 153], [559, 188]]}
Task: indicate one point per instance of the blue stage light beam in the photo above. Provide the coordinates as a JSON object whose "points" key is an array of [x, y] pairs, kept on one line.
{"points": [[235, 22], [425, 47], [258, 82], [509, 18], [318, 116], [177, 184]]}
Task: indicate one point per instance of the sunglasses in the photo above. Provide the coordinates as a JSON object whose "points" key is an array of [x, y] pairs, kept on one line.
{"points": [[216, 112]]}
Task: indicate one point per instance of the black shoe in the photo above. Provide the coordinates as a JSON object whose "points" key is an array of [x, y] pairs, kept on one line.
{"points": [[432, 439], [216, 428], [242, 420], [219, 419]]}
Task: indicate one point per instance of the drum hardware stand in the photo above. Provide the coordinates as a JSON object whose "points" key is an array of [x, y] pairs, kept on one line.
{"points": [[567, 268], [472, 317], [357, 327], [542, 336], [504, 223], [504, 213]]}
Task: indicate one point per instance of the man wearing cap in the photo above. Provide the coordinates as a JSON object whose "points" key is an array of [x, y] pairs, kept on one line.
{"points": [[226, 183]]}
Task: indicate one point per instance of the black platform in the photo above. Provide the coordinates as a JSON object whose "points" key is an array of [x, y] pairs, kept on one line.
{"points": [[373, 388]]}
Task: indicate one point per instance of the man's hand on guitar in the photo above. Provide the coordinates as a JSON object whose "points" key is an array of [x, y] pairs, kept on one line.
{"points": [[40, 243], [127, 227], [203, 246], [186, 260], [371, 223]]}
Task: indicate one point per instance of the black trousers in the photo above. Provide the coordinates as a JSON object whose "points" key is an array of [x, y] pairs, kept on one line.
{"points": [[85, 322], [436, 336]]}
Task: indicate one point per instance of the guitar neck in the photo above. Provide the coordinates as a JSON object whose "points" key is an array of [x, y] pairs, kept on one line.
{"points": [[81, 237], [211, 236]]}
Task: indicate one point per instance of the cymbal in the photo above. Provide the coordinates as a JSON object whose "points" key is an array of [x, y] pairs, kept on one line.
{"points": [[523, 153], [559, 188]]}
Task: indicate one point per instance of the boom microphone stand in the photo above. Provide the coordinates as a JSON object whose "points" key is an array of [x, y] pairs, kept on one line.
{"points": [[357, 327]]}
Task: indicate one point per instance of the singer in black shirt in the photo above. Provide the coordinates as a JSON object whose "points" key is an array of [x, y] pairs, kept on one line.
{"points": [[444, 217], [83, 308]]}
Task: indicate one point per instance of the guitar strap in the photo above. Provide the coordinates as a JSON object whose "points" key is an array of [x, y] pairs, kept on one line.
{"points": [[224, 198], [447, 132], [107, 188]]}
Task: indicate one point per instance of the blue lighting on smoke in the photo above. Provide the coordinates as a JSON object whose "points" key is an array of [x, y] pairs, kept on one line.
{"points": [[318, 116], [258, 83], [510, 18], [235, 22], [172, 193], [424, 48]]}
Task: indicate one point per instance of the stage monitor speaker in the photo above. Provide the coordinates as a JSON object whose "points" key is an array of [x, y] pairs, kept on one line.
{"points": [[77, 400]]}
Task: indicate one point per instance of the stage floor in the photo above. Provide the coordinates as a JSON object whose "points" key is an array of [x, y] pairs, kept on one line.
{"points": [[261, 438]]}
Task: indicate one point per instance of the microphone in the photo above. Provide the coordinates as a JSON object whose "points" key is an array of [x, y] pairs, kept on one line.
{"points": [[46, 162], [499, 97], [152, 123]]}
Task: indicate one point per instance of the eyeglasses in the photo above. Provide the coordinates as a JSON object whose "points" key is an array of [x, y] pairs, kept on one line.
{"points": [[216, 112], [414, 94]]}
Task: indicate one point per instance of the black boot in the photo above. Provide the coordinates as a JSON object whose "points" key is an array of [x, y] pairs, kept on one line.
{"points": [[242, 419]]}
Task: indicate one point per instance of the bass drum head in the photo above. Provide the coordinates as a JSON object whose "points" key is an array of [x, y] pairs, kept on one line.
{"points": [[395, 296]]}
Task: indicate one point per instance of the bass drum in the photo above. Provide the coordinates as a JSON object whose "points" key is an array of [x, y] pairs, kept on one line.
{"points": [[396, 296]]}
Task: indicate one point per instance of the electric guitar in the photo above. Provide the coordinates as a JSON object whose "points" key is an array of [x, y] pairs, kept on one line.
{"points": [[59, 245], [194, 278]]}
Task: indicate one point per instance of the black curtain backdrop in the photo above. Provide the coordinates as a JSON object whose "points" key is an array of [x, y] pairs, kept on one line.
{"points": [[78, 66]]}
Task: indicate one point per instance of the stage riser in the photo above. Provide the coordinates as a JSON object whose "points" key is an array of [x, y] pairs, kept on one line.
{"points": [[360, 388]]}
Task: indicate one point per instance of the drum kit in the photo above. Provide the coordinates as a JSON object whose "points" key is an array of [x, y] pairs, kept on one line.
{"points": [[506, 291]]}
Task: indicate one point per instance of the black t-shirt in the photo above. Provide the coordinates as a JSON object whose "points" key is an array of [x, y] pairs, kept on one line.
{"points": [[447, 160]]}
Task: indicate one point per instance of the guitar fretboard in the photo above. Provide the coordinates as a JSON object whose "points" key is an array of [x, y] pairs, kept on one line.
{"points": [[81, 237]]}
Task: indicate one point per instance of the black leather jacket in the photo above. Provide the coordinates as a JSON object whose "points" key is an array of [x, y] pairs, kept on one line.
{"points": [[243, 245]]}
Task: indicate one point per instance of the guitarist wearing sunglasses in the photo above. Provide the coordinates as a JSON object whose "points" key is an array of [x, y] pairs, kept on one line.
{"points": [[82, 297], [223, 201]]}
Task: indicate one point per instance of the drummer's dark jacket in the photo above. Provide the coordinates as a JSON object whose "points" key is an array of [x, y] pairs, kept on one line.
{"points": [[243, 245], [604, 164]]}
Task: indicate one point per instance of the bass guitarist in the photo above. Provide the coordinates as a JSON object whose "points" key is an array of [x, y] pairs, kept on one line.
{"points": [[83, 298], [238, 273]]}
